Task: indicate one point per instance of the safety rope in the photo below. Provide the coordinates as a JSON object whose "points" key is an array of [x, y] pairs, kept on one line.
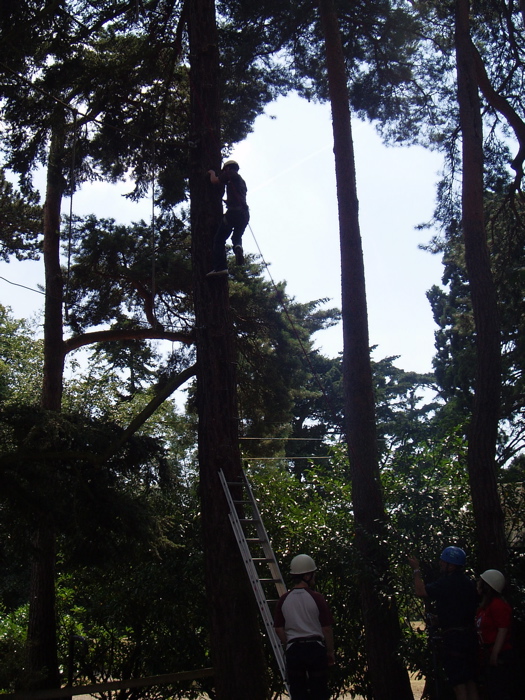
{"points": [[153, 236], [351, 451], [23, 286], [72, 185], [305, 352]]}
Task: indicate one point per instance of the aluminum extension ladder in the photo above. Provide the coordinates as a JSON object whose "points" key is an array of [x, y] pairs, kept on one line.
{"points": [[249, 531]]}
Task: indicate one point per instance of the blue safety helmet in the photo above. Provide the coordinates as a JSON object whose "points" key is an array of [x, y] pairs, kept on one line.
{"points": [[454, 555]]}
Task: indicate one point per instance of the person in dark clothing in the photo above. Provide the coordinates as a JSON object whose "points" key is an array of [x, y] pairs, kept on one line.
{"points": [[234, 221], [456, 602], [303, 622]]}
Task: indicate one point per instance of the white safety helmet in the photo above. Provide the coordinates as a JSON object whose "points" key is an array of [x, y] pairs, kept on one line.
{"points": [[494, 578], [302, 564], [232, 163]]}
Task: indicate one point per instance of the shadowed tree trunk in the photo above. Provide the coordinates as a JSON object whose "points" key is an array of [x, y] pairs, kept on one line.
{"points": [[483, 428], [42, 636], [236, 641], [388, 675]]}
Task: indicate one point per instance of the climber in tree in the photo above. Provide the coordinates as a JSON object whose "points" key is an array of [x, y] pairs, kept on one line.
{"points": [[234, 220]]}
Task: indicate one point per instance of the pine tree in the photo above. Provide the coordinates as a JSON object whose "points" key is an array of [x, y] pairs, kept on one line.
{"points": [[388, 676], [238, 657]]}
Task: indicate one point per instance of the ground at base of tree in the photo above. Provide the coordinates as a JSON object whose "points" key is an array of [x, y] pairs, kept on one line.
{"points": [[417, 688]]}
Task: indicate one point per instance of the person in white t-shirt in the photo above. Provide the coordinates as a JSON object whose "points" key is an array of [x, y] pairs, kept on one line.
{"points": [[303, 622]]}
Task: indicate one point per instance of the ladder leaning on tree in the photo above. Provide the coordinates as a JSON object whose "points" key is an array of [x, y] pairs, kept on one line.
{"points": [[253, 540]]}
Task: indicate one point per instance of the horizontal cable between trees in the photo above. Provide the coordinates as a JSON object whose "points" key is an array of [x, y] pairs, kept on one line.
{"points": [[70, 691]]}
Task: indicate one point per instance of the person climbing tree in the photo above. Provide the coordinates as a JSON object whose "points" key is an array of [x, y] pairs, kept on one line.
{"points": [[234, 220]]}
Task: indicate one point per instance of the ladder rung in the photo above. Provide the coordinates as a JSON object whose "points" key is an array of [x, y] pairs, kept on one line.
{"points": [[270, 580], [249, 520], [255, 539], [264, 560]]}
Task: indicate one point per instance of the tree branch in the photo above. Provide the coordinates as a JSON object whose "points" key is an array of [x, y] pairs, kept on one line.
{"points": [[502, 105], [80, 341], [149, 410]]}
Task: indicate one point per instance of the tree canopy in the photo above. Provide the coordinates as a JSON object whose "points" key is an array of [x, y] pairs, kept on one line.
{"points": [[110, 90]]}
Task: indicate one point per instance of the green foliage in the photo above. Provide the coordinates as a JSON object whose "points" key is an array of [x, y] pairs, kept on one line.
{"points": [[115, 267], [51, 464], [277, 362], [427, 496], [20, 360], [116, 76], [377, 42], [313, 515], [404, 413], [20, 222], [130, 564], [427, 500], [454, 361], [135, 610], [126, 599], [13, 627]]}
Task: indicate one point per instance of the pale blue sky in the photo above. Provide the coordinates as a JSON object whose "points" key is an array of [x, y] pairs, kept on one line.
{"points": [[288, 165]]}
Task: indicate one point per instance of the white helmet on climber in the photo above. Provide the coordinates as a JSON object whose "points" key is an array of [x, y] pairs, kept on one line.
{"points": [[302, 564], [231, 164]]}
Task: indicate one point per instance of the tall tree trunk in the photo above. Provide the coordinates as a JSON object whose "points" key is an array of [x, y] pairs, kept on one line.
{"points": [[483, 428], [42, 636], [388, 675], [236, 641]]}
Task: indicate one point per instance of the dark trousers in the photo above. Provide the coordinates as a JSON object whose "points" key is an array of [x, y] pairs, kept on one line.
{"points": [[307, 666], [498, 681], [236, 221], [459, 653]]}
